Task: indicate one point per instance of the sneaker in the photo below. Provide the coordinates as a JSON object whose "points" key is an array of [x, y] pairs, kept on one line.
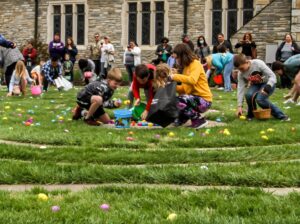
{"points": [[199, 123], [289, 101], [220, 88], [285, 118], [179, 122], [77, 113], [92, 122]]}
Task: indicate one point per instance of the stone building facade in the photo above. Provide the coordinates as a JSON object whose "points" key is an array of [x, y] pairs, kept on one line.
{"points": [[152, 20]]}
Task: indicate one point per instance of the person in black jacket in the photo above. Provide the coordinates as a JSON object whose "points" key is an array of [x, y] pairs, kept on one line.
{"points": [[248, 46], [163, 50], [222, 41], [286, 49]]}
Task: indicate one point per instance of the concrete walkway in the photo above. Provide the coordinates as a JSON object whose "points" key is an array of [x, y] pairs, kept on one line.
{"points": [[81, 187]]}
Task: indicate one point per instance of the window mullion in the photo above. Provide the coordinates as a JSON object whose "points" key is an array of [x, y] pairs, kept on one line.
{"points": [[152, 23]]}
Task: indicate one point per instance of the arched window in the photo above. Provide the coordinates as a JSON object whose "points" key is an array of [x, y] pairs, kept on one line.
{"points": [[216, 20]]}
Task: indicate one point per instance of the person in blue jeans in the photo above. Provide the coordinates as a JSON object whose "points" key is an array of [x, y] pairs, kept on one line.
{"points": [[223, 62], [261, 82]]}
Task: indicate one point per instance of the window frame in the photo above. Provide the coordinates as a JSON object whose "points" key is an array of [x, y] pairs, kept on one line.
{"points": [[125, 22], [62, 4]]}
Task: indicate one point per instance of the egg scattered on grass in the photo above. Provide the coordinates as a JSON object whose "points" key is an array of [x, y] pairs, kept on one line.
{"points": [[43, 197], [265, 137], [55, 208], [105, 207], [171, 134], [172, 217]]}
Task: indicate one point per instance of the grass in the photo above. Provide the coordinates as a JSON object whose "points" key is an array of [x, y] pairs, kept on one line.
{"points": [[141, 205], [77, 153]]}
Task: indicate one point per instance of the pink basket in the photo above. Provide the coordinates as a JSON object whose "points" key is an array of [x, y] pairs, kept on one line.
{"points": [[36, 90]]}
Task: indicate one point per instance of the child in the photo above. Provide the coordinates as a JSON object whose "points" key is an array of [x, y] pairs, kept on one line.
{"points": [[161, 76], [260, 91], [51, 70], [68, 68], [96, 96], [290, 68], [36, 73], [19, 80], [143, 78], [87, 68]]}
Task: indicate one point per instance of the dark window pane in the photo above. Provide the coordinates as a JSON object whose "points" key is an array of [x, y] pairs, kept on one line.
{"points": [[69, 22], [69, 9], [247, 16], [217, 4], [80, 24], [248, 11], [160, 6], [232, 4], [232, 23], [216, 25], [132, 21], [248, 4], [56, 20], [132, 7], [146, 23], [159, 22]]}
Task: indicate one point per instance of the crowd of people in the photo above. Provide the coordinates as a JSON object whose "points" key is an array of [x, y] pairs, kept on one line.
{"points": [[190, 66]]}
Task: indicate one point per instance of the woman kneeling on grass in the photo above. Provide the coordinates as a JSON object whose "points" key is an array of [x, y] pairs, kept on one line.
{"points": [[195, 96], [19, 80]]}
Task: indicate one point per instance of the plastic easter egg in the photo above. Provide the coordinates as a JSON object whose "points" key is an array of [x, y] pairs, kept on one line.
{"points": [[242, 117], [157, 136], [7, 107], [270, 130], [203, 167], [191, 134], [42, 197], [4, 118], [293, 129], [172, 217], [265, 137], [150, 124], [171, 134], [55, 208], [104, 207], [131, 133], [129, 139], [262, 132], [27, 123]]}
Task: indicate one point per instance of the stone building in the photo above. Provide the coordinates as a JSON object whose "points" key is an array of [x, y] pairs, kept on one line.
{"points": [[147, 21]]}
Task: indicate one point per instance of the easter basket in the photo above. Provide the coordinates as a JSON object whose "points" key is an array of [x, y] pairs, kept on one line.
{"points": [[261, 114]]}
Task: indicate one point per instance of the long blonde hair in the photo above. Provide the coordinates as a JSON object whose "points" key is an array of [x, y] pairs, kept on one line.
{"points": [[20, 69], [161, 76]]}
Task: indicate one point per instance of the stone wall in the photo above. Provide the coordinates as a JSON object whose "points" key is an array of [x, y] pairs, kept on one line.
{"points": [[269, 26], [296, 19]]}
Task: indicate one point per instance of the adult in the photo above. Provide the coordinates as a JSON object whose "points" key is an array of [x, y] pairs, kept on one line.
{"points": [[202, 50], [51, 70], [132, 58], [71, 50], [290, 68], [163, 50], [10, 57], [222, 41], [195, 96], [107, 56], [186, 40], [261, 88], [248, 46], [56, 48], [30, 55], [5, 43], [95, 53], [286, 49]]}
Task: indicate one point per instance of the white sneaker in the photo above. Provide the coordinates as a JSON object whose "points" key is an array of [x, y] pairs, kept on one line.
{"points": [[289, 101]]}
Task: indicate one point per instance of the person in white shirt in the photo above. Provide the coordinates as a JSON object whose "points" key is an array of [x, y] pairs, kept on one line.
{"points": [[107, 57]]}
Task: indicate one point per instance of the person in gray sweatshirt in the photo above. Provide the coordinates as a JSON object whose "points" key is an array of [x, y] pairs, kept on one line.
{"points": [[261, 82]]}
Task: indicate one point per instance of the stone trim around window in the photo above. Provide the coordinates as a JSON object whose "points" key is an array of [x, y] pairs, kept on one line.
{"points": [[152, 45], [62, 3]]}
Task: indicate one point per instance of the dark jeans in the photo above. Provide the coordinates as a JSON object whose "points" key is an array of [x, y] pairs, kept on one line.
{"points": [[130, 70], [97, 67], [285, 82], [262, 100], [8, 73]]}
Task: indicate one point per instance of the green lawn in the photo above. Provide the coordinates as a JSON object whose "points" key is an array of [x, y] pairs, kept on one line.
{"points": [[81, 154]]}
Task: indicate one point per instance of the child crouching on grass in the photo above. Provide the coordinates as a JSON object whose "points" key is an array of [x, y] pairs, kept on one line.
{"points": [[19, 80], [96, 96]]}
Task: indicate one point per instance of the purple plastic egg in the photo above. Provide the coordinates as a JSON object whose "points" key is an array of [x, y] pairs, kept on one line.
{"points": [[104, 207], [55, 208]]}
